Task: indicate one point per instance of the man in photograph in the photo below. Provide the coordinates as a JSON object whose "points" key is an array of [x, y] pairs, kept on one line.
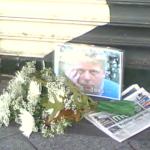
{"points": [[87, 71]]}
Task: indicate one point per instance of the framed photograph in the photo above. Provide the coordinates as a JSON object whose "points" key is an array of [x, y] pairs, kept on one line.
{"points": [[96, 70]]}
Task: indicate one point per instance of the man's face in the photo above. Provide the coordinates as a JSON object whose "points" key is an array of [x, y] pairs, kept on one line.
{"points": [[89, 76]]}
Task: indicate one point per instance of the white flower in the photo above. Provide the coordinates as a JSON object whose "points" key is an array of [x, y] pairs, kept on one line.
{"points": [[34, 89], [4, 109], [55, 92], [60, 95], [19, 77], [34, 93], [27, 122], [51, 99]]}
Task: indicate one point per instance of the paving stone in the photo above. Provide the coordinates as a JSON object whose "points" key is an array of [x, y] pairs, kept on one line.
{"points": [[16, 142], [77, 142], [80, 136], [8, 131], [139, 144], [84, 136], [144, 145]]}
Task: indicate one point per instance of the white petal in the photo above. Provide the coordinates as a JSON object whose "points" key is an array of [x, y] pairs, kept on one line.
{"points": [[51, 99], [59, 98], [34, 88], [25, 132], [27, 123], [19, 77]]}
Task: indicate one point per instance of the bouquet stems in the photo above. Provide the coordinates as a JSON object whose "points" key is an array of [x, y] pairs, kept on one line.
{"points": [[122, 107]]}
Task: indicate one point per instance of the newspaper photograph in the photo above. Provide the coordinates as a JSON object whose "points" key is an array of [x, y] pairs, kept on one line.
{"points": [[133, 88], [122, 127]]}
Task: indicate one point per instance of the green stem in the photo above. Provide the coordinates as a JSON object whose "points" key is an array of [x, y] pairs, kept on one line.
{"points": [[122, 107]]}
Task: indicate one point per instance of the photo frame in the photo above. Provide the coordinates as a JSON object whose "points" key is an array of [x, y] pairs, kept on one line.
{"points": [[96, 70]]}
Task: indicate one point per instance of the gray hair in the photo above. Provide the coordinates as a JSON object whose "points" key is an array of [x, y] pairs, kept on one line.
{"points": [[82, 53]]}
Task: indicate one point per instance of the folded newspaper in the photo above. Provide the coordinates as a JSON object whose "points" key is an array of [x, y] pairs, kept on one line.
{"points": [[122, 127]]}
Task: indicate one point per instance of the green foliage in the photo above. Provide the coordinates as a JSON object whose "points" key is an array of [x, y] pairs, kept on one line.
{"points": [[80, 100]]}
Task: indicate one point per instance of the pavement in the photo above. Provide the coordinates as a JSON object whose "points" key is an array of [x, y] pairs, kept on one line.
{"points": [[81, 136]]}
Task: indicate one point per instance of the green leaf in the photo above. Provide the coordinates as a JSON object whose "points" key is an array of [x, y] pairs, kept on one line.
{"points": [[80, 100], [57, 106]]}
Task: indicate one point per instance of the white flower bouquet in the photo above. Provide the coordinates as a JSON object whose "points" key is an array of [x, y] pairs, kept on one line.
{"points": [[41, 102]]}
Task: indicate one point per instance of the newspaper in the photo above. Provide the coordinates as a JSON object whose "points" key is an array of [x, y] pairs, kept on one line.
{"points": [[122, 127]]}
